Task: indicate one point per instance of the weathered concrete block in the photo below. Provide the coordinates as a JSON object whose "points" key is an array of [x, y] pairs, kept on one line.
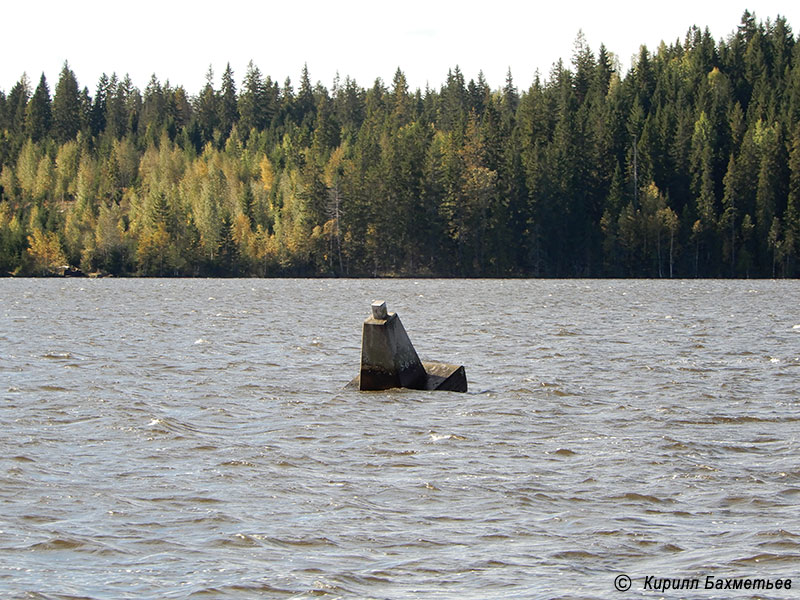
{"points": [[388, 358], [441, 376], [379, 311]]}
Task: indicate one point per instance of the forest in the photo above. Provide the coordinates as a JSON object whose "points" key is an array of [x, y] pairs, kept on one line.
{"points": [[685, 165]]}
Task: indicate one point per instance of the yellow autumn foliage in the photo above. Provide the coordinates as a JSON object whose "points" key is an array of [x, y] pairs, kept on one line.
{"points": [[267, 173], [45, 252]]}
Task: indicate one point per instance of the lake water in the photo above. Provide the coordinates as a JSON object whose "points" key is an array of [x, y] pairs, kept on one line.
{"points": [[191, 439]]}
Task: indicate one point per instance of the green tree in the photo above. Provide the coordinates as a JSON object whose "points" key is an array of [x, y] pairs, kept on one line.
{"points": [[227, 106], [705, 208], [304, 104], [207, 108], [16, 105], [97, 118], [155, 109], [66, 107], [39, 114], [729, 219], [793, 206], [254, 105], [768, 193]]}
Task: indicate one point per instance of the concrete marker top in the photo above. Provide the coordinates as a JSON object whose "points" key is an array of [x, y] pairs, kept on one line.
{"points": [[379, 310]]}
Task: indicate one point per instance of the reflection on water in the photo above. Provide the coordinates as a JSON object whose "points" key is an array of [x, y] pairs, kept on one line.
{"points": [[191, 438]]}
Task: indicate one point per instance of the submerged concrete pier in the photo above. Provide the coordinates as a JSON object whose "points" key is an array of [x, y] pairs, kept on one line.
{"points": [[389, 360]]}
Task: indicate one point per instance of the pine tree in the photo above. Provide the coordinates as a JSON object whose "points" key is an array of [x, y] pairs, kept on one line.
{"points": [[39, 115], [255, 108], [350, 108], [116, 118], [401, 102], [510, 99], [154, 108], [97, 120], [452, 114], [206, 109], [227, 107], [769, 195], [4, 120], [66, 107], [304, 104], [729, 219], [792, 218], [16, 103]]}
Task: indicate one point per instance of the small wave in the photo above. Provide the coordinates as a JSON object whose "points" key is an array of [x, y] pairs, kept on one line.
{"points": [[574, 554], [53, 388], [671, 548], [237, 540], [393, 452], [745, 449], [564, 332], [238, 463], [57, 544], [437, 437], [374, 579], [742, 419], [675, 445], [564, 452], [766, 557], [521, 390], [310, 542], [256, 590], [495, 537], [636, 497], [491, 563], [57, 355], [781, 545], [166, 425]]}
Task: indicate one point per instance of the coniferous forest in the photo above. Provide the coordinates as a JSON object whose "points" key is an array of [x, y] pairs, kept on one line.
{"points": [[685, 165]]}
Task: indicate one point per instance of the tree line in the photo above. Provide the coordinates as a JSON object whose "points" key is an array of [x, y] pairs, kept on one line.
{"points": [[688, 165]]}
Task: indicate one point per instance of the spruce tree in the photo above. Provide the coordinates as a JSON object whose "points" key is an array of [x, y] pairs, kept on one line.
{"points": [[39, 115], [206, 111], [228, 112], [16, 103], [97, 119], [66, 107], [3, 112]]}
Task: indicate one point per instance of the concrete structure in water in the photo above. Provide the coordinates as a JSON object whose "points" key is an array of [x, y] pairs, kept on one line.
{"points": [[388, 359]]}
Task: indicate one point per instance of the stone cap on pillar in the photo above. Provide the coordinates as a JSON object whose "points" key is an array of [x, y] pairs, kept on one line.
{"points": [[379, 310]]}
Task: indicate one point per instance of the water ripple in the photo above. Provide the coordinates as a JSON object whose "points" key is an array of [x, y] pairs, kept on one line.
{"points": [[191, 438]]}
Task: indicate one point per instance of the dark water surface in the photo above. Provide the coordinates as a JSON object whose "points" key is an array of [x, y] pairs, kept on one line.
{"points": [[191, 439]]}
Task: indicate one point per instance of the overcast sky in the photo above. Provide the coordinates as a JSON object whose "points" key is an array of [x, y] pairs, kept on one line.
{"points": [[178, 40]]}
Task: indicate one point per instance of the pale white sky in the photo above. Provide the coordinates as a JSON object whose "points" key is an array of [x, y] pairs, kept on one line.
{"points": [[178, 40]]}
